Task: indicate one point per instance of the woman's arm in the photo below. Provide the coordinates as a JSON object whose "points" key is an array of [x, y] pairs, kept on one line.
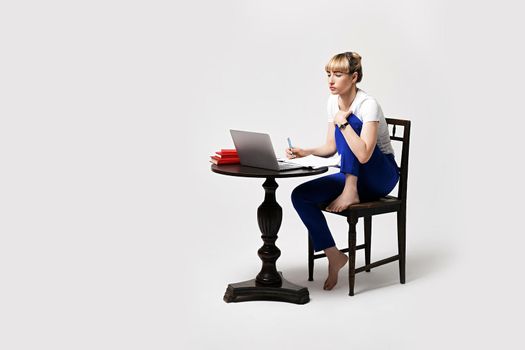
{"points": [[361, 146], [326, 150]]}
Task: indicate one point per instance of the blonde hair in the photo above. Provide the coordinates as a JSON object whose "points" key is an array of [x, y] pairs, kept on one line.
{"points": [[346, 62]]}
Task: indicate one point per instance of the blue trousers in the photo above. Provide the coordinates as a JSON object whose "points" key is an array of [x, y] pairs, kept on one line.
{"points": [[375, 179]]}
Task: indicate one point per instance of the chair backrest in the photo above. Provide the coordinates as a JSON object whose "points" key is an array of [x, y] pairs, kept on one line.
{"points": [[405, 140]]}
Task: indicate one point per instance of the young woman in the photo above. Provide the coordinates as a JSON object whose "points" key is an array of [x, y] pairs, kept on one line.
{"points": [[357, 130]]}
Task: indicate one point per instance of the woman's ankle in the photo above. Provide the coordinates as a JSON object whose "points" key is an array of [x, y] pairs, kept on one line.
{"points": [[350, 188], [331, 252]]}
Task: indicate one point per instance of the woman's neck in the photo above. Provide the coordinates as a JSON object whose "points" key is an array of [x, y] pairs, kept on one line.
{"points": [[345, 101]]}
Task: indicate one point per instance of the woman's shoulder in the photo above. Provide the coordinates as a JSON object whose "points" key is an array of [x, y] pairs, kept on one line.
{"points": [[366, 101], [362, 96], [367, 108]]}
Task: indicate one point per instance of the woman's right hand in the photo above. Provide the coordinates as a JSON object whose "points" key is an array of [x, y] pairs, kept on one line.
{"points": [[295, 152]]}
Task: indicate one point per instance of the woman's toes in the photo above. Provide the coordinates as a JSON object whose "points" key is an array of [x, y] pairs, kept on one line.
{"points": [[330, 282]]}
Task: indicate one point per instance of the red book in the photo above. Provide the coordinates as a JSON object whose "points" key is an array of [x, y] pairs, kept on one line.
{"points": [[227, 152], [222, 155], [219, 161]]}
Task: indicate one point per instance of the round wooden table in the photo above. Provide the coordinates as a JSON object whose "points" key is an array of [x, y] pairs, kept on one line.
{"points": [[269, 284]]}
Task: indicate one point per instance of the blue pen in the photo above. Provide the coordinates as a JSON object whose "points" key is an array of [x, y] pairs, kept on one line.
{"points": [[290, 145]]}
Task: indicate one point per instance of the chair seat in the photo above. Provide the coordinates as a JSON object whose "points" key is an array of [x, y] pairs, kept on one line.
{"points": [[383, 205]]}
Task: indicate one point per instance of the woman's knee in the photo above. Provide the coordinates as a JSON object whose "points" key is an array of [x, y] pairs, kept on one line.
{"points": [[318, 190], [299, 194], [306, 193]]}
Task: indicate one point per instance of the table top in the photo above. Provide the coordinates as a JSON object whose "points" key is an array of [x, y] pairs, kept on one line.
{"points": [[248, 171]]}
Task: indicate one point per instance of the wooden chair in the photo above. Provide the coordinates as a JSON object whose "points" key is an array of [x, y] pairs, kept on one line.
{"points": [[388, 204]]}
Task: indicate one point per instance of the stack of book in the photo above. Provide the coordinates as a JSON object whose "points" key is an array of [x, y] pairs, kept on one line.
{"points": [[225, 156]]}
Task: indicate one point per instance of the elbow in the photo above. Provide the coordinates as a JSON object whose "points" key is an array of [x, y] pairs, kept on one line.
{"points": [[365, 154], [363, 158], [332, 152], [331, 149]]}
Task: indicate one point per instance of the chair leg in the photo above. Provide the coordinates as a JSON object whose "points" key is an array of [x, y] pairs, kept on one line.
{"points": [[401, 242], [368, 239], [352, 234], [310, 260]]}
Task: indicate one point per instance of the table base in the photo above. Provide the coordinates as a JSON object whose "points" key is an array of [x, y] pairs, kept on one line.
{"points": [[250, 291]]}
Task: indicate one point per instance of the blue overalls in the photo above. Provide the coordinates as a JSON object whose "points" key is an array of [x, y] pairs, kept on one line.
{"points": [[375, 179]]}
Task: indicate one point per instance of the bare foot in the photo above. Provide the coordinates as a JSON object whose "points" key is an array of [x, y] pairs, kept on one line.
{"points": [[343, 202], [334, 267]]}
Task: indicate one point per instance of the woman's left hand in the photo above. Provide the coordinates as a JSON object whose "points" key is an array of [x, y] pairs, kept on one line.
{"points": [[341, 117]]}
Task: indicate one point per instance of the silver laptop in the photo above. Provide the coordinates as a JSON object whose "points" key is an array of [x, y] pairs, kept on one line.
{"points": [[255, 149]]}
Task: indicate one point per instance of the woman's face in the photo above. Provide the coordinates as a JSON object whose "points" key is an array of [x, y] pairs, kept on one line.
{"points": [[340, 83]]}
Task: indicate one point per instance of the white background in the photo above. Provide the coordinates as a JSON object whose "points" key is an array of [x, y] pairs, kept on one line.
{"points": [[114, 233]]}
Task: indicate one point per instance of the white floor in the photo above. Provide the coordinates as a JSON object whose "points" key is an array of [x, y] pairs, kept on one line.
{"points": [[155, 281], [450, 300]]}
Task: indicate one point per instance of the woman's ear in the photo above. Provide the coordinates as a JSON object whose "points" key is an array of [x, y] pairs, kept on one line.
{"points": [[354, 77]]}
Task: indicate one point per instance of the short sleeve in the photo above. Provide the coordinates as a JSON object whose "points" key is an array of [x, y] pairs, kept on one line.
{"points": [[370, 111]]}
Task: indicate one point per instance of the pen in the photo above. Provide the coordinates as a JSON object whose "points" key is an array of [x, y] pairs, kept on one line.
{"points": [[290, 145]]}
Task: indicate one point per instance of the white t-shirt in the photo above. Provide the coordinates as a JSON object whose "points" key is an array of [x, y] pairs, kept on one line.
{"points": [[367, 109]]}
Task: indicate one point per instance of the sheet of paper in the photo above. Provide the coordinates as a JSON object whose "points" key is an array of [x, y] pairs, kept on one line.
{"points": [[314, 161]]}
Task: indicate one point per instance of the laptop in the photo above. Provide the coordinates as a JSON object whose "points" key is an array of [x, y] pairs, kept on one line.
{"points": [[256, 150]]}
